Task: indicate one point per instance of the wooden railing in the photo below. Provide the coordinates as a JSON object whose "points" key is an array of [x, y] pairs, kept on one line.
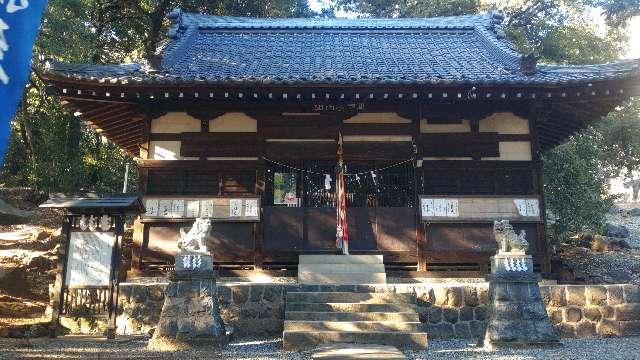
{"points": [[86, 301]]}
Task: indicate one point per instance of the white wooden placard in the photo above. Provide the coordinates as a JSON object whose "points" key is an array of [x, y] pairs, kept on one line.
{"points": [[469, 208], [89, 259]]}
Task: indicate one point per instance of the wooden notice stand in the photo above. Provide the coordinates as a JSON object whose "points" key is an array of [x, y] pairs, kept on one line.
{"points": [[89, 256]]}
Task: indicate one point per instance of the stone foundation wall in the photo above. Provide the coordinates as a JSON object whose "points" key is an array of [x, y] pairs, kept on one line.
{"points": [[445, 311], [581, 311]]}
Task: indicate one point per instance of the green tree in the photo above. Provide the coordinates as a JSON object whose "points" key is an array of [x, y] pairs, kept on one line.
{"points": [[49, 148]]}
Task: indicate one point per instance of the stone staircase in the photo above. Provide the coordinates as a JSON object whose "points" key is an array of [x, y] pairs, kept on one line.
{"points": [[341, 269], [316, 318]]}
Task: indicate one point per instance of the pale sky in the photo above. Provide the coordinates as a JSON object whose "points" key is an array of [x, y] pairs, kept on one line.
{"points": [[633, 31]]}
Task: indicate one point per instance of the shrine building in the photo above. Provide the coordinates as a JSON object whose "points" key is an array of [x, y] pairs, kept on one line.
{"points": [[444, 127]]}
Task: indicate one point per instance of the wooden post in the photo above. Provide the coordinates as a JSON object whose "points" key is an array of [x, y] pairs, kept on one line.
{"points": [[136, 250], [57, 303], [114, 277], [422, 244]]}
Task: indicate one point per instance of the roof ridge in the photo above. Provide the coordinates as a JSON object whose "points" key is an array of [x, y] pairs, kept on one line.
{"points": [[180, 19]]}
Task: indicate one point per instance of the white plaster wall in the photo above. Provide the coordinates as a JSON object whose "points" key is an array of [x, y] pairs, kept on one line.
{"points": [[377, 118], [233, 122], [175, 122], [426, 127], [513, 151], [504, 123], [164, 150]]}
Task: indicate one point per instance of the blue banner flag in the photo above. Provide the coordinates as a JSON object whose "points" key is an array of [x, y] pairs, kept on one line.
{"points": [[19, 24]]}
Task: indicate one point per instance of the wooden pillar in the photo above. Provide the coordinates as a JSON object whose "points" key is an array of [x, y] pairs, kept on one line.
{"points": [[538, 173], [114, 280], [136, 250], [57, 302]]}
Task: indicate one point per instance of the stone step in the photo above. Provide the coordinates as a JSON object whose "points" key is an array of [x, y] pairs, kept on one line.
{"points": [[340, 259], [351, 326], [351, 316], [301, 340], [345, 351], [351, 297], [314, 278], [349, 307], [342, 268]]}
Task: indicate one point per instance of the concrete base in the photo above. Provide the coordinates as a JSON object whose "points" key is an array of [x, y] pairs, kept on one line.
{"points": [[357, 352], [341, 269]]}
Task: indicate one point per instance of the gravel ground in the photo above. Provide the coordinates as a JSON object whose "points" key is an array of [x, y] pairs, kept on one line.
{"points": [[134, 348], [610, 267], [632, 223]]}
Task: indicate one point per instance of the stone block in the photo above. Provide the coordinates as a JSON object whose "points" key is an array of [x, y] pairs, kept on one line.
{"points": [[575, 295], [534, 291], [483, 295], [545, 294], [256, 293], [440, 294], [555, 315], [607, 311], [156, 292], [440, 331], [466, 313], [434, 314], [450, 315], [592, 313], [501, 292], [627, 312], [557, 296], [629, 328], [423, 315], [566, 329], [534, 311], [224, 294], [471, 296], [506, 311], [240, 294], [632, 293], [124, 293], [480, 313], [615, 294], [477, 329], [139, 293], [596, 295], [608, 328], [273, 293], [585, 329], [248, 312], [573, 314], [426, 298], [462, 330]]}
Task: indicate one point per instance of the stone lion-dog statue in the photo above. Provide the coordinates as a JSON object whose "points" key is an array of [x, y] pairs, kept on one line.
{"points": [[508, 241], [194, 240]]}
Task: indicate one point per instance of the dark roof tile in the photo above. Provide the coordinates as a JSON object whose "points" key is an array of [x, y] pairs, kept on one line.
{"points": [[469, 49]]}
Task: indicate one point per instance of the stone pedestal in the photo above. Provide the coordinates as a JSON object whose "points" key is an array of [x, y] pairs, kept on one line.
{"points": [[190, 314], [516, 315]]}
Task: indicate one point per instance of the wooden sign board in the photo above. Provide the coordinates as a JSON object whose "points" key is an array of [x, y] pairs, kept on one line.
{"points": [[89, 260], [232, 209], [459, 209]]}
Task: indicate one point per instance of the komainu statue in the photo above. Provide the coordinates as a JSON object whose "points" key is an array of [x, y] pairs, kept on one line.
{"points": [[508, 241], [195, 239]]}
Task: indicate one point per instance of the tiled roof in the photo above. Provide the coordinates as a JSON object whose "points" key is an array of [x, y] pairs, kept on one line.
{"points": [[468, 49]]}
